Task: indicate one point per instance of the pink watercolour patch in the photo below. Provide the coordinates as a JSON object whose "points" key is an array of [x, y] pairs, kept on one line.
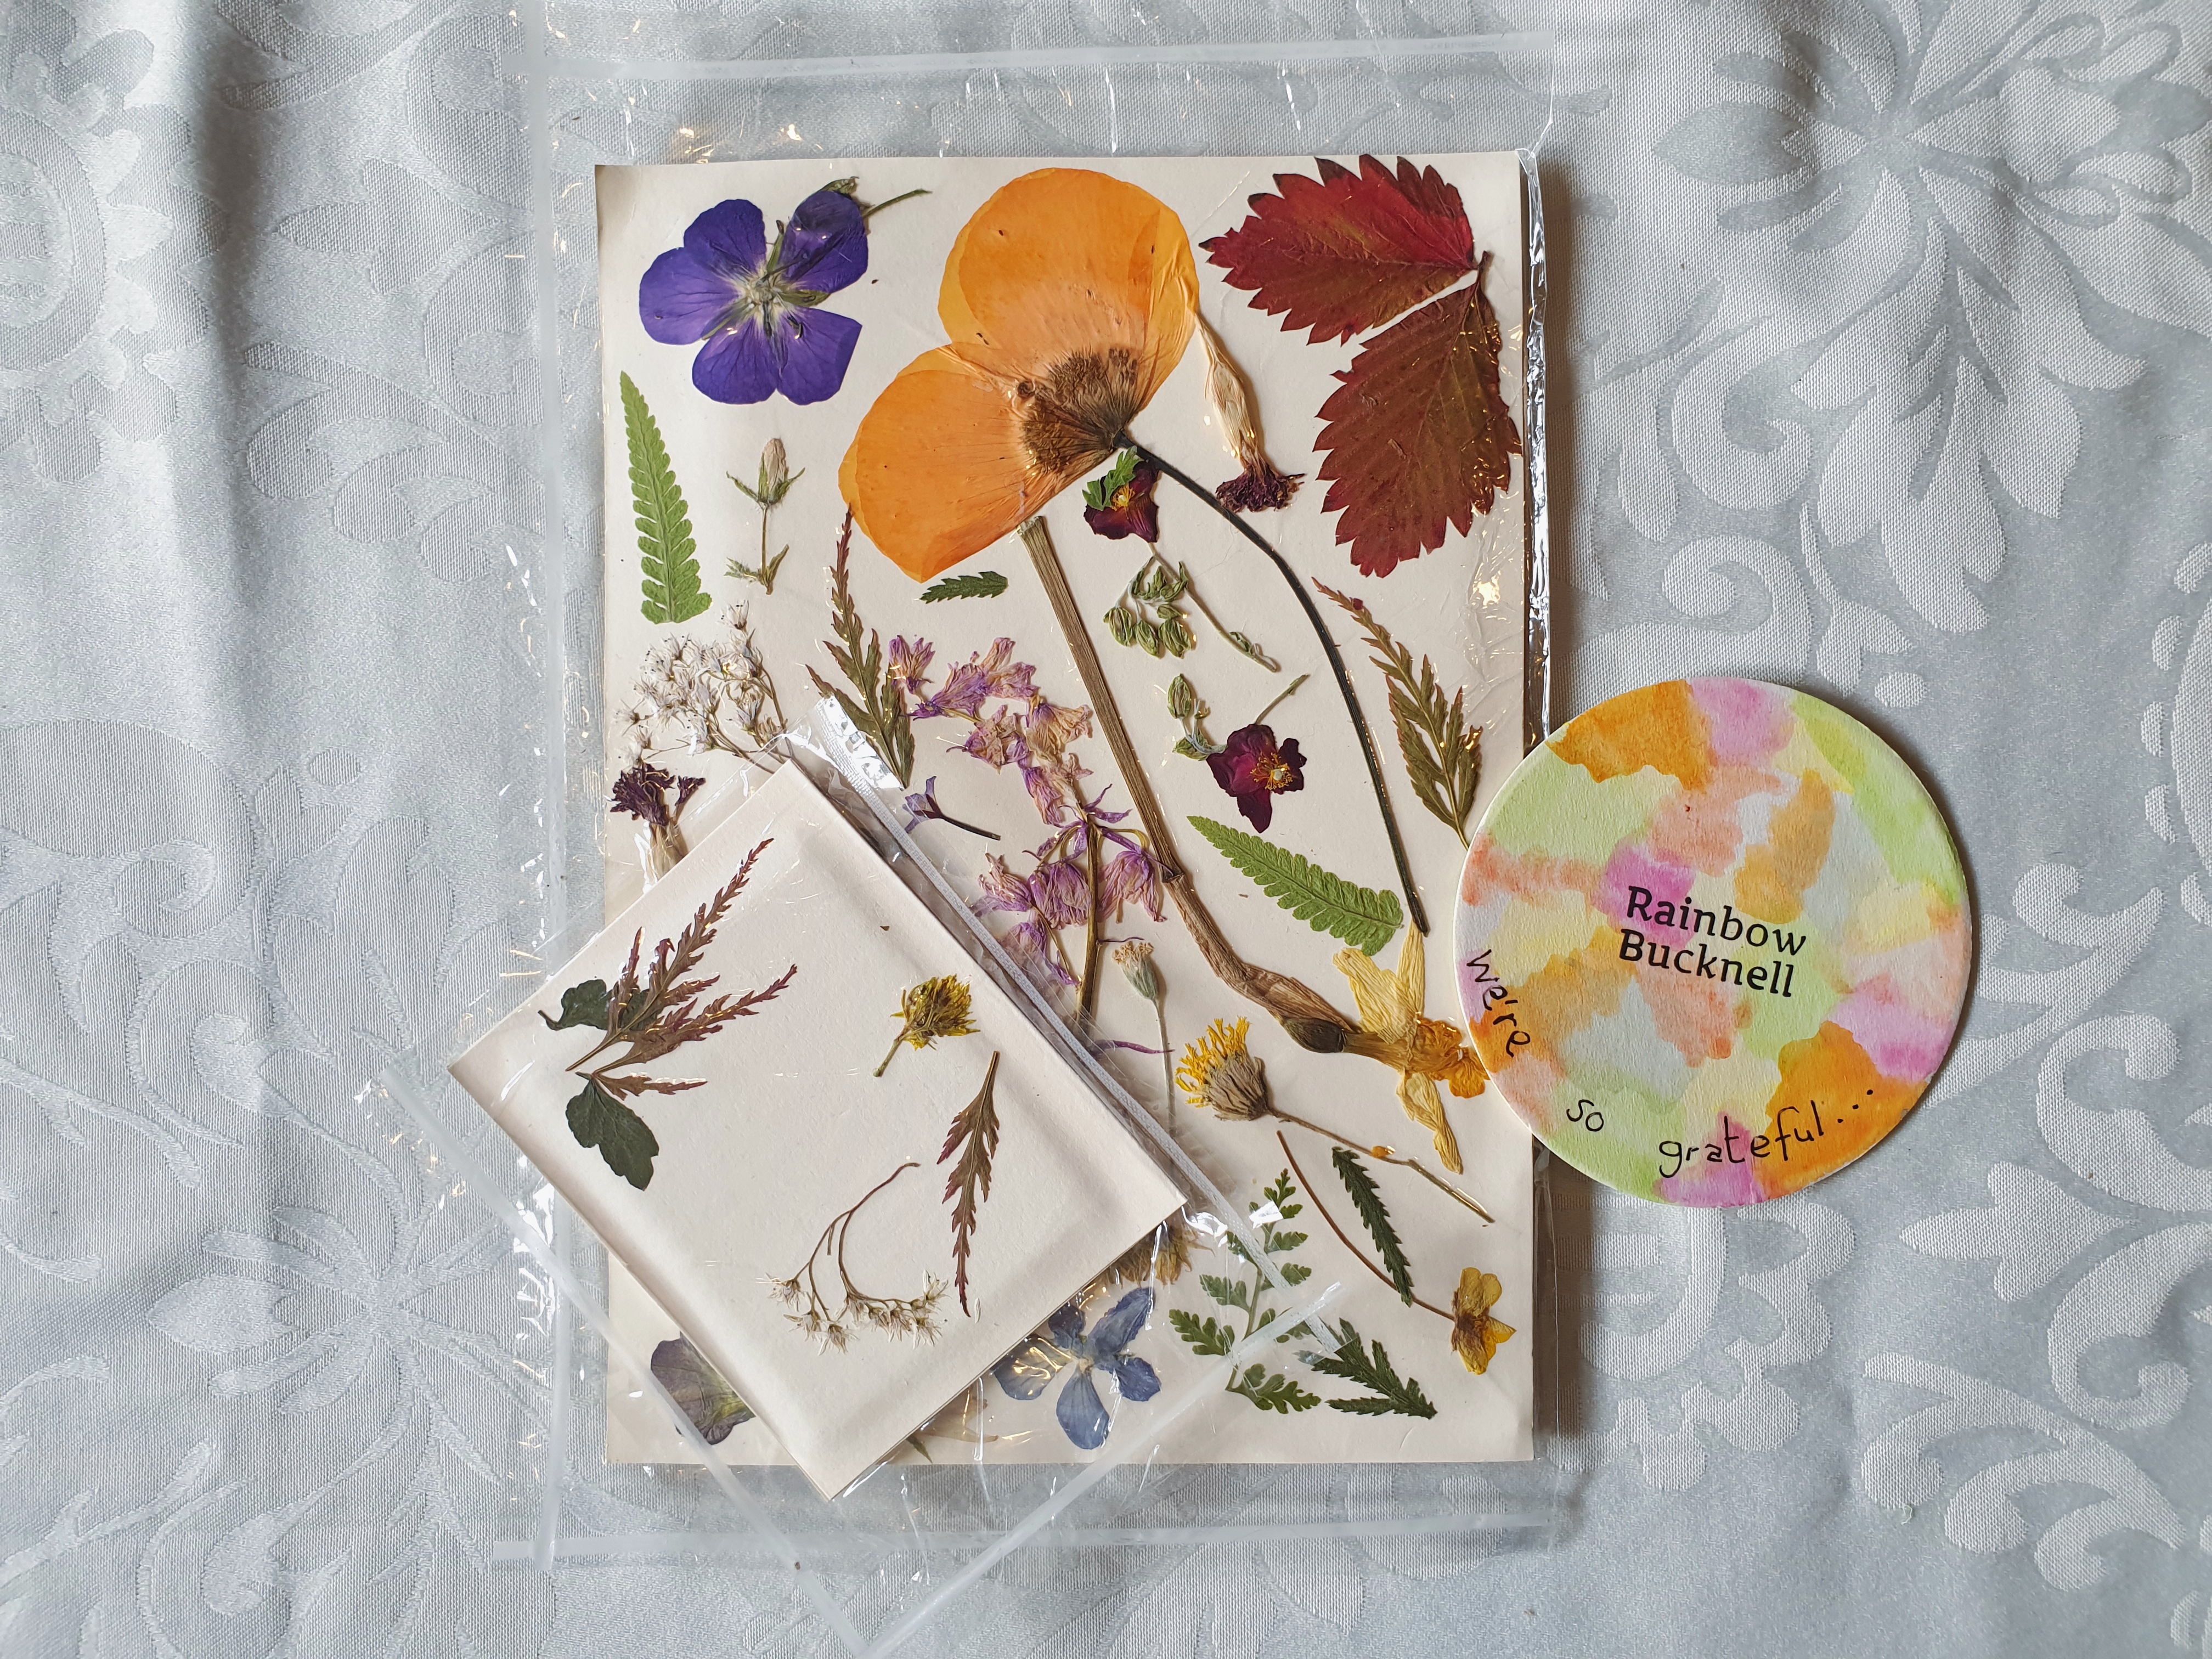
{"points": [[1749, 721]]}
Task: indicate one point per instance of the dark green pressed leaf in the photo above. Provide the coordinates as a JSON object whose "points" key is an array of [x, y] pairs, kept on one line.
{"points": [[582, 1005], [1273, 1392], [667, 552], [1367, 1199], [1354, 1364], [1229, 1292], [1206, 1336], [1363, 918], [597, 1119], [1296, 1272], [981, 585]]}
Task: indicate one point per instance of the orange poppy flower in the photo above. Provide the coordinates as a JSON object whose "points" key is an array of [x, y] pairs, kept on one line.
{"points": [[1068, 300]]}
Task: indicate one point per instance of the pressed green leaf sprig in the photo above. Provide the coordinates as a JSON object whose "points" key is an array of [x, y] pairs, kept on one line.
{"points": [[773, 482], [1360, 916], [1185, 705], [935, 1008], [974, 1135], [1209, 1337], [978, 584], [667, 550], [880, 711], [1367, 1365], [648, 1018], [1443, 754]]}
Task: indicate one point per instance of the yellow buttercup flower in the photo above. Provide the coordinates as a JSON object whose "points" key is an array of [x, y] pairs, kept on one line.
{"points": [[1475, 1333], [1424, 1051]]}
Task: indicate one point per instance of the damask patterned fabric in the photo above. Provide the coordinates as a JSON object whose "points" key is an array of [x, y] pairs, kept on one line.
{"points": [[1882, 365]]}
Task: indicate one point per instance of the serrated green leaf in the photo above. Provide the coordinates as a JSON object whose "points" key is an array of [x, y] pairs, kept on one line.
{"points": [[1273, 1392], [1229, 1292], [1207, 1336], [597, 1119], [1363, 918], [667, 552], [1296, 1272], [582, 1005], [1367, 1199], [1353, 1364], [979, 585], [1282, 1241]]}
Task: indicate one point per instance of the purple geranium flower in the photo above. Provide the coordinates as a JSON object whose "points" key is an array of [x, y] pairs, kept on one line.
{"points": [[1254, 769], [755, 305], [1025, 1373]]}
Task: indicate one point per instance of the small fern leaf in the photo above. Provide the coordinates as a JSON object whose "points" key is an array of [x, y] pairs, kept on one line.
{"points": [[1363, 918], [982, 585], [668, 554]]}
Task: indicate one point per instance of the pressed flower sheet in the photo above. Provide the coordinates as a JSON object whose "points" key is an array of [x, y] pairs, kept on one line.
{"points": [[1289, 770], [768, 1135]]}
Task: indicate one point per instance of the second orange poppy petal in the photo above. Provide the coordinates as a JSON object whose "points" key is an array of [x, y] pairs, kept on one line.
{"points": [[936, 470], [1064, 260]]}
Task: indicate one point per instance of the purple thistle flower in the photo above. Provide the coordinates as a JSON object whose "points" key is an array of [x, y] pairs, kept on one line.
{"points": [[755, 306], [643, 792], [1254, 769]]}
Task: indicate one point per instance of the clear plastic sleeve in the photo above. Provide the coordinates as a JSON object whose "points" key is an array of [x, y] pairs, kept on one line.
{"points": [[874, 1566]]}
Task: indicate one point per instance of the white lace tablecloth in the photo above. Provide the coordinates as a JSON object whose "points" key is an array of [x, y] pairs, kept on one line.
{"points": [[1882, 364]]}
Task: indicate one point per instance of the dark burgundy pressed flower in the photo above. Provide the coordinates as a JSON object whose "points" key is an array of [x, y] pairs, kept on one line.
{"points": [[1120, 503], [643, 792], [1254, 769]]}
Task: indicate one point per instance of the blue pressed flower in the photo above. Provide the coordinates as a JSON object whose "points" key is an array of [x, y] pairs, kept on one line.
{"points": [[1026, 1372], [756, 306]]}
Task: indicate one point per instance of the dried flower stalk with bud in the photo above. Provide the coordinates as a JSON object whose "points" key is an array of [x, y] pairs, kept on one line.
{"points": [[772, 483]]}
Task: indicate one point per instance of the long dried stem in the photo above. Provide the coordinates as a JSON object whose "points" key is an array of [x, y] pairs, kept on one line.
{"points": [[1367, 750], [1311, 1022]]}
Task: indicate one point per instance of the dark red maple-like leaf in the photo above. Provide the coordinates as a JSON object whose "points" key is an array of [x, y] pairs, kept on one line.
{"points": [[1350, 250], [1418, 437]]}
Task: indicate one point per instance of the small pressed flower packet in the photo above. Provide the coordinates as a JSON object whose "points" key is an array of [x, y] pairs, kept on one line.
{"points": [[848, 1250]]}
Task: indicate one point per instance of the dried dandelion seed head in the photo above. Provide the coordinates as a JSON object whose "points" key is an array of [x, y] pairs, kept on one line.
{"points": [[1221, 1075], [1260, 487], [1134, 957]]}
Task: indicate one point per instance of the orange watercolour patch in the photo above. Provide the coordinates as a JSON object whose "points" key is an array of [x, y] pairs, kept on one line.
{"points": [[1772, 883], [1832, 1088], [1660, 726]]}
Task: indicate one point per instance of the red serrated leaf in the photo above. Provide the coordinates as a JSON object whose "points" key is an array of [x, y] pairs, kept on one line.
{"points": [[1417, 436], [1351, 250]]}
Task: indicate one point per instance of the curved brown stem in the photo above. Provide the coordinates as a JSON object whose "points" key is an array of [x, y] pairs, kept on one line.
{"points": [[1382, 1157], [1367, 750], [1304, 1013]]}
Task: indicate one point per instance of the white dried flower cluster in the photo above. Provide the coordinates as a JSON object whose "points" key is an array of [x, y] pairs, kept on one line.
{"points": [[914, 1316], [700, 696]]}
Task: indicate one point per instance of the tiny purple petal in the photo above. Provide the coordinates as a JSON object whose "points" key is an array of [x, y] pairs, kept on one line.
{"points": [[728, 239], [1135, 1377], [1062, 893], [1082, 1413], [1117, 1327], [825, 245], [678, 301]]}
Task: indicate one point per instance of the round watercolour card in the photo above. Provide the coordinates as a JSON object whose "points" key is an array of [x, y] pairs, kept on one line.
{"points": [[1713, 940]]}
